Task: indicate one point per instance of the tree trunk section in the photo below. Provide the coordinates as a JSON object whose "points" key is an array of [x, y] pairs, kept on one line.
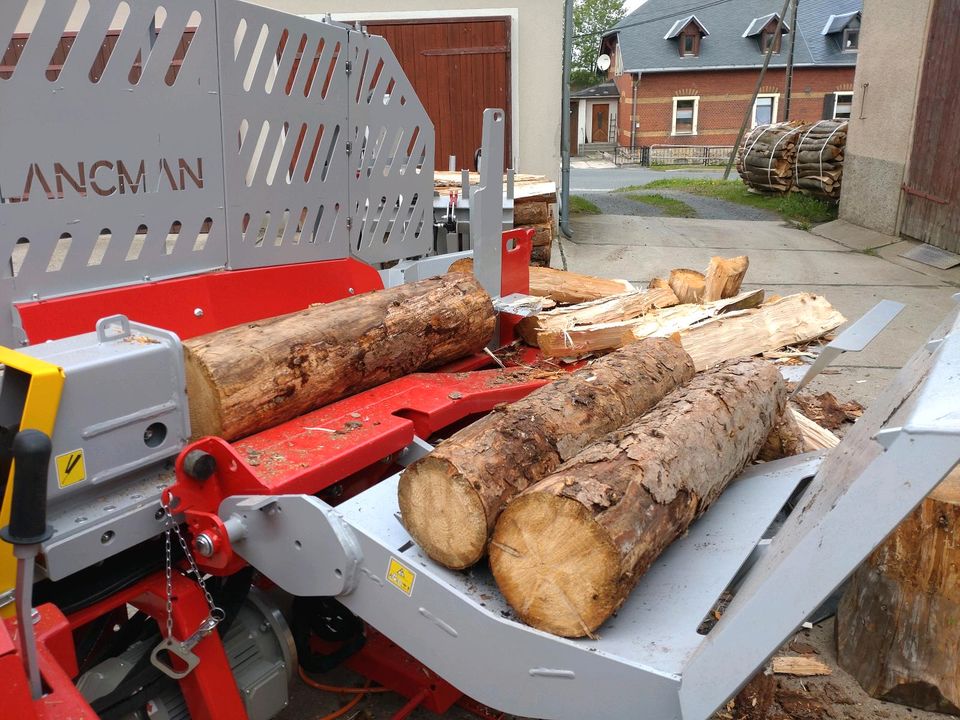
{"points": [[568, 551], [252, 377], [785, 439], [450, 499], [898, 624]]}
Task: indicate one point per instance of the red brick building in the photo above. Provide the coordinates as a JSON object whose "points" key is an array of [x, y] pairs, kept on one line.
{"points": [[688, 79]]}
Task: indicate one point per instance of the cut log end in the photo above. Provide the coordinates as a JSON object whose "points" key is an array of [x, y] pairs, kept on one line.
{"points": [[555, 564], [443, 513], [206, 417]]}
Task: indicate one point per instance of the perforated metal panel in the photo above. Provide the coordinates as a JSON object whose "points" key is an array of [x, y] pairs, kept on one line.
{"points": [[391, 157], [181, 136], [110, 173], [284, 97]]}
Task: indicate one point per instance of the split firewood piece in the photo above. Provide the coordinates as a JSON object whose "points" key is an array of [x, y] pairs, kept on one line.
{"points": [[611, 309], [562, 286], [687, 284], [658, 283], [450, 499], [586, 339], [800, 666], [815, 437], [724, 277], [254, 376], [791, 320], [567, 551]]}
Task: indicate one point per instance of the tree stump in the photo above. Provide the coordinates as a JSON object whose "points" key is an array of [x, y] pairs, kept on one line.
{"points": [[898, 625]]}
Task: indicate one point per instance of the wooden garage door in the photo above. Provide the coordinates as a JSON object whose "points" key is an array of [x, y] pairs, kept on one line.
{"points": [[458, 67], [932, 194]]}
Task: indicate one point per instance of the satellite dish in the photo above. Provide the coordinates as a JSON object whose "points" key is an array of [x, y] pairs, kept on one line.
{"points": [[603, 63]]}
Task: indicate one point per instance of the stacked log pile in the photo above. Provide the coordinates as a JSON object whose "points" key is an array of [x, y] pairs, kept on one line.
{"points": [[793, 156], [767, 155], [818, 166]]}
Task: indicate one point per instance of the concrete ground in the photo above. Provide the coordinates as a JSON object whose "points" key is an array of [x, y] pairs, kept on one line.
{"points": [[853, 276]]}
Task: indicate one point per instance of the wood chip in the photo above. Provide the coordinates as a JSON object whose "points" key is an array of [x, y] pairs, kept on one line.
{"points": [[800, 666]]}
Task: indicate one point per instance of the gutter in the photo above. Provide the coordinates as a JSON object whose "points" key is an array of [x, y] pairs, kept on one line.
{"points": [[739, 67], [565, 122]]}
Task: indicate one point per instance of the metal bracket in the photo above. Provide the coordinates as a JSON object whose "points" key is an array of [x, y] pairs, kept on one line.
{"points": [[854, 339], [487, 204], [298, 541]]}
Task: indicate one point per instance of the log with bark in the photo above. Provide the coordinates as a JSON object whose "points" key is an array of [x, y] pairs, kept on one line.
{"points": [[567, 551], [818, 166], [897, 625], [563, 287], [251, 377], [530, 213], [766, 157], [450, 499]]}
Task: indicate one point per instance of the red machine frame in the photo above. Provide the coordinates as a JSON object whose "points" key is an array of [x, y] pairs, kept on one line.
{"points": [[346, 446]]}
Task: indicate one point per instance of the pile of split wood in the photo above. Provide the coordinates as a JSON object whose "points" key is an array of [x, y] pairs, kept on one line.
{"points": [[793, 156], [766, 157], [575, 490], [818, 167]]}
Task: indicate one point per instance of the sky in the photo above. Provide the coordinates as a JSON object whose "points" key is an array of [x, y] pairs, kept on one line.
{"points": [[632, 5]]}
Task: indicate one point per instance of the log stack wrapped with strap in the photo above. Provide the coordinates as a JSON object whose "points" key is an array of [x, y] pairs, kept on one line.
{"points": [[818, 164], [766, 157]]}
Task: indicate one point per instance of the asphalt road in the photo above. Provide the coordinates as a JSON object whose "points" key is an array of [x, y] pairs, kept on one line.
{"points": [[605, 179]]}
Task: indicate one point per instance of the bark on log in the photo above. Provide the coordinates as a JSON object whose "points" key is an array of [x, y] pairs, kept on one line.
{"points": [[612, 309], [567, 552], [687, 285], [561, 286], [251, 377], [784, 440], [542, 233], [897, 629], [724, 277], [450, 499], [530, 213]]}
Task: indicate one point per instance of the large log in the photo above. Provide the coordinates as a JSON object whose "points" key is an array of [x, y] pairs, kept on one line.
{"points": [[897, 625], [530, 213], [567, 552], [251, 377], [562, 286], [450, 499]]}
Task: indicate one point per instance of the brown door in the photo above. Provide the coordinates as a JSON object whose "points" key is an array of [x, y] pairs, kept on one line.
{"points": [[601, 123], [458, 67], [931, 198], [574, 129]]}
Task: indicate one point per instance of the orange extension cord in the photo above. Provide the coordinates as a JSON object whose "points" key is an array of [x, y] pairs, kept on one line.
{"points": [[359, 692]]}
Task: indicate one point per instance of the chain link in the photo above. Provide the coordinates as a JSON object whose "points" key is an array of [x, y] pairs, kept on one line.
{"points": [[216, 613]]}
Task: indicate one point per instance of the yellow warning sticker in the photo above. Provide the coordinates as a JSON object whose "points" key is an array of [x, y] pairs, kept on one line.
{"points": [[71, 468], [400, 576]]}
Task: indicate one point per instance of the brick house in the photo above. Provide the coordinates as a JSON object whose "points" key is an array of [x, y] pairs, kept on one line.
{"points": [[688, 79]]}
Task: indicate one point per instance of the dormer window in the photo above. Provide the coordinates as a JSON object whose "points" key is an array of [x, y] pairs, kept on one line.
{"points": [[845, 29], [764, 29], [688, 33]]}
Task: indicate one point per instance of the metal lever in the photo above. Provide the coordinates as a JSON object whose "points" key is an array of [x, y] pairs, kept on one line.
{"points": [[854, 339], [27, 529]]}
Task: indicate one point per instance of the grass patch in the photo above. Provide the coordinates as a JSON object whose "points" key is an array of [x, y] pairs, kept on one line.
{"points": [[804, 210], [581, 206], [687, 168], [671, 206]]}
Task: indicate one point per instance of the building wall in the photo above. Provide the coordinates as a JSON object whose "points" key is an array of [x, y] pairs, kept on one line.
{"points": [[892, 41], [536, 57], [724, 96]]}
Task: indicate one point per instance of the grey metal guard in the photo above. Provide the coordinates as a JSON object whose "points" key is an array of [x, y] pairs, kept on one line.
{"points": [[232, 154]]}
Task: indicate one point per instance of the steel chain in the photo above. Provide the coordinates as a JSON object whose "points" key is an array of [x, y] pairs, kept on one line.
{"points": [[216, 613]]}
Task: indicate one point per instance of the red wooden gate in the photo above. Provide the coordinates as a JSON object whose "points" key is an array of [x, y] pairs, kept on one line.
{"points": [[931, 193]]}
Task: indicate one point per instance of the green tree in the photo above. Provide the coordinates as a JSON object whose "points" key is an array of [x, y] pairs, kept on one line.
{"points": [[590, 19]]}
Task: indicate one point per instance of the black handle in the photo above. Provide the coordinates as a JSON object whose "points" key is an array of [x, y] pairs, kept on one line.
{"points": [[28, 511]]}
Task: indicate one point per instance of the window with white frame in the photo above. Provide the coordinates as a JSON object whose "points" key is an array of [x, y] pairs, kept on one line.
{"points": [[685, 115], [765, 109], [842, 105]]}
